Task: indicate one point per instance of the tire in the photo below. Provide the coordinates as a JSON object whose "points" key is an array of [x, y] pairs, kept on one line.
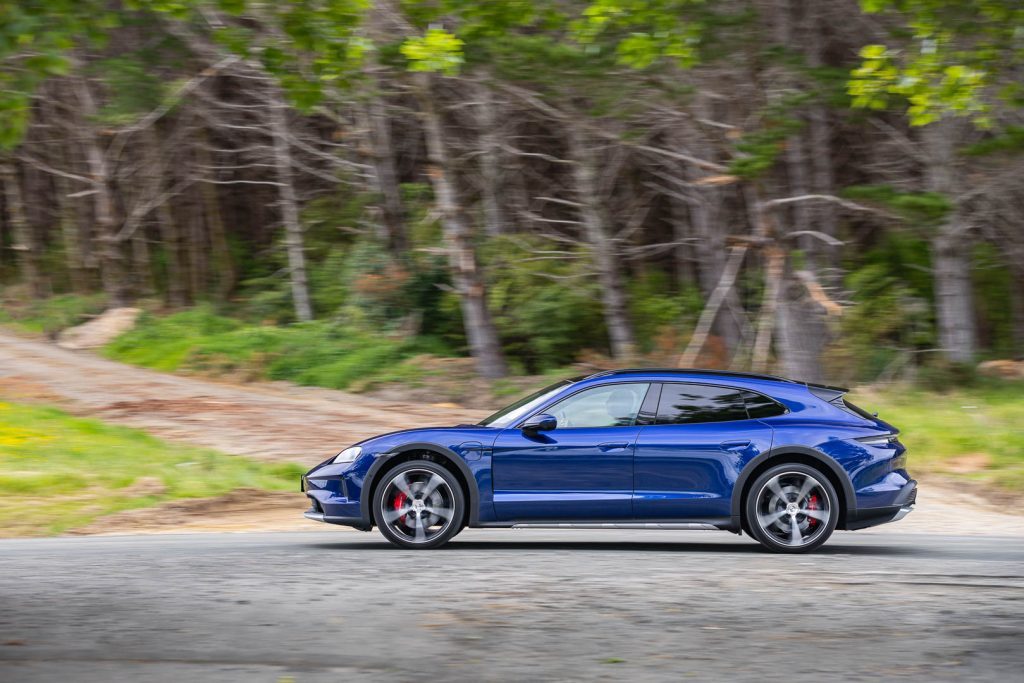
{"points": [[791, 508], [419, 504]]}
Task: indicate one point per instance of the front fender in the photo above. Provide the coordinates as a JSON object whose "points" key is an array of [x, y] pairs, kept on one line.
{"points": [[449, 457]]}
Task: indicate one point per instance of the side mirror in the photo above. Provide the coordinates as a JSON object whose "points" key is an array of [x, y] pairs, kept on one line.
{"points": [[540, 423]]}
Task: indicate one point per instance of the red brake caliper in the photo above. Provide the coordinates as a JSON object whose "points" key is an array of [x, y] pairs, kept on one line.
{"points": [[400, 500], [812, 504]]}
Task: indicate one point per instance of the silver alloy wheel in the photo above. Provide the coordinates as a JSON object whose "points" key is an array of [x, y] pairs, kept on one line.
{"points": [[417, 505], [793, 508]]}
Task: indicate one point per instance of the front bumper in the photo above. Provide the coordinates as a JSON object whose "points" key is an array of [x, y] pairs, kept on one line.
{"points": [[328, 503], [902, 506]]}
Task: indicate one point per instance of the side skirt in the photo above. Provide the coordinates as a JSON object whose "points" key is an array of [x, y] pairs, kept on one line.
{"points": [[723, 523]]}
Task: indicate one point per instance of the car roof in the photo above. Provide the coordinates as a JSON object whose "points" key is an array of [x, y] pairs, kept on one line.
{"points": [[728, 376]]}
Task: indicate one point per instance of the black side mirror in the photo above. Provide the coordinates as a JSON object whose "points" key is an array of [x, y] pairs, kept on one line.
{"points": [[540, 423]]}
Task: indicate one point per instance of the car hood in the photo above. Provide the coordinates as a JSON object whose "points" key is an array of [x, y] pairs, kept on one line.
{"points": [[448, 437]]}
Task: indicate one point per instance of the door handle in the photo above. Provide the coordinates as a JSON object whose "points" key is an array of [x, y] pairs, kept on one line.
{"points": [[735, 445], [612, 446]]}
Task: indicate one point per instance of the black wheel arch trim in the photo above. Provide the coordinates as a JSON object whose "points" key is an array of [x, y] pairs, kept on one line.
{"points": [[849, 495], [381, 463]]}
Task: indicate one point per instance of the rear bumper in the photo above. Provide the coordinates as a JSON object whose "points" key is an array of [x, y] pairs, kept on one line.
{"points": [[902, 506]]}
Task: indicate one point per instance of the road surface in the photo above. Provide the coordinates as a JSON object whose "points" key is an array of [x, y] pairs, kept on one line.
{"points": [[525, 605]]}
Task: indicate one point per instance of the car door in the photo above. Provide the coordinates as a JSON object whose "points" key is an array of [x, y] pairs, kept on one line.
{"points": [[687, 462], [582, 469]]}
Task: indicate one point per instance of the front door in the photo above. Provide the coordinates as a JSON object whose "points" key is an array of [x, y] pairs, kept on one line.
{"points": [[582, 469]]}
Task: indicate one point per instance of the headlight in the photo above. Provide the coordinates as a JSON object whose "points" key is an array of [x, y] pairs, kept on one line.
{"points": [[348, 455]]}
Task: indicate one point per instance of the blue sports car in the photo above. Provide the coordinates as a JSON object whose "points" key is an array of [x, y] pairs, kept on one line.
{"points": [[784, 461]]}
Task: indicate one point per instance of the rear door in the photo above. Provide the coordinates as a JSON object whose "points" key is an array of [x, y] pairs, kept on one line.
{"points": [[685, 464]]}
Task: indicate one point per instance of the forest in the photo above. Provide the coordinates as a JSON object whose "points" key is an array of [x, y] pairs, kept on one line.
{"points": [[829, 190]]}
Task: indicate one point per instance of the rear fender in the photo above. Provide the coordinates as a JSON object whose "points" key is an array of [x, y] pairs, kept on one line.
{"points": [[819, 458]]}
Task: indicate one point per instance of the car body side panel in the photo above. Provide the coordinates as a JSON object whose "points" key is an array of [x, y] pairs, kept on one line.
{"points": [[689, 470], [584, 473]]}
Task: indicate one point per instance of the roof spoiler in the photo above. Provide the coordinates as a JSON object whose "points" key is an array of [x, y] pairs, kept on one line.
{"points": [[826, 392]]}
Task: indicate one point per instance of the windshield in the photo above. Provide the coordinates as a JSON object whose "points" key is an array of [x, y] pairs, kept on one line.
{"points": [[509, 415]]}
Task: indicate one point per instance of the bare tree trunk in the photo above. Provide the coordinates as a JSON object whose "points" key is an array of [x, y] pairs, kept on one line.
{"points": [[490, 161], [954, 296], [714, 303], [685, 266], [466, 276], [25, 241], [385, 176], [171, 237], [144, 282], [71, 236], [290, 210], [595, 228], [775, 259], [951, 249], [1017, 307], [801, 332], [113, 270], [224, 267]]}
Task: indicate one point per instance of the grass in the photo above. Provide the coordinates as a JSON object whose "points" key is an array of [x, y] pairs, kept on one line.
{"points": [[975, 432], [320, 353], [58, 472], [50, 316]]}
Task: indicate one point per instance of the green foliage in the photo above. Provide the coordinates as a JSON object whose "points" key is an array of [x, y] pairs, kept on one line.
{"points": [[960, 50], [436, 51], [69, 470], [546, 309], [889, 319], [644, 31], [759, 148], [917, 208], [658, 313], [35, 39], [333, 355], [1010, 140], [981, 419], [50, 316]]}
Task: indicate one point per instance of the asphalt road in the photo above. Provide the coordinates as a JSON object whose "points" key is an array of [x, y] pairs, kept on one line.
{"points": [[509, 605]]}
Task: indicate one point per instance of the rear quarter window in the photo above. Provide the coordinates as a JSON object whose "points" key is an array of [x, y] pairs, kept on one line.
{"points": [[760, 406]]}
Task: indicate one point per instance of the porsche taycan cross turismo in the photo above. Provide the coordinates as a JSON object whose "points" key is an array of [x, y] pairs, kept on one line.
{"points": [[783, 461]]}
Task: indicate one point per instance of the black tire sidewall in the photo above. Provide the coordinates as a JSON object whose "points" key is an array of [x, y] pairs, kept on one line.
{"points": [[750, 508], [458, 501]]}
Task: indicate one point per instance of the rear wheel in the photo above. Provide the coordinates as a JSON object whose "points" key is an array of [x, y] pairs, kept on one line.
{"points": [[419, 504], [791, 509]]}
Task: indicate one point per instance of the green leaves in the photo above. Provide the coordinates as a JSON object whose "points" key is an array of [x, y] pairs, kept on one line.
{"points": [[437, 51], [959, 50], [644, 31]]}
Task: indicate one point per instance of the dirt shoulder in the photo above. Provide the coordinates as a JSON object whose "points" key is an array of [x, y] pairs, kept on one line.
{"points": [[267, 421]]}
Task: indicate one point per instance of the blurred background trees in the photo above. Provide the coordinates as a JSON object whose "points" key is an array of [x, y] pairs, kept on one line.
{"points": [[829, 189]]}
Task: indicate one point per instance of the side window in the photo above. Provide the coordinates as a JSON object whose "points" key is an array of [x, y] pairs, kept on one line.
{"points": [[689, 403], [611, 405], [761, 406]]}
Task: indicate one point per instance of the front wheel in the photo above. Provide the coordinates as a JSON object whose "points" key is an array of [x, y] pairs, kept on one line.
{"points": [[419, 505], [791, 509]]}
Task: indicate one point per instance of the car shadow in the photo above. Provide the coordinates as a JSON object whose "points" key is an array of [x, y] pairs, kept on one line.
{"points": [[721, 548]]}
